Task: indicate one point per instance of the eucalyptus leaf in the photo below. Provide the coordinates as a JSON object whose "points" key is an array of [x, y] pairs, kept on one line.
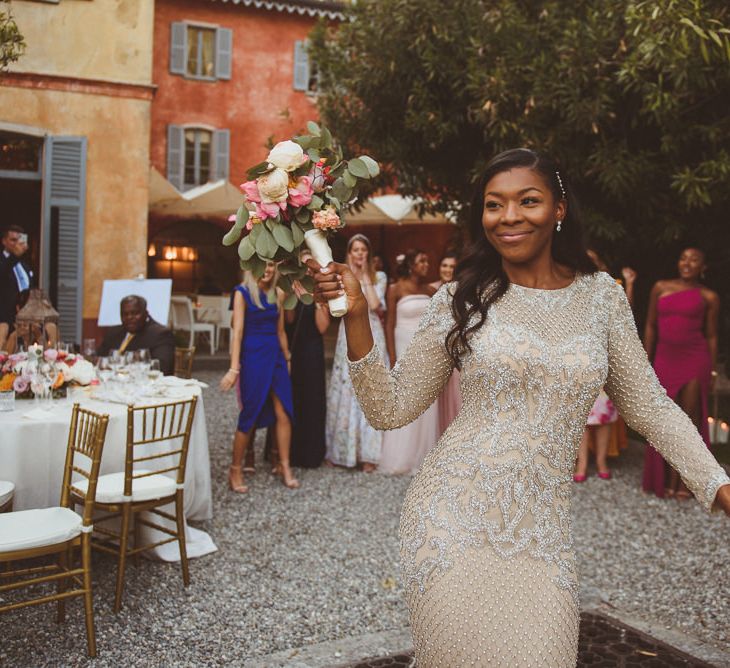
{"points": [[358, 168], [313, 154], [234, 234], [290, 302], [302, 215], [349, 180], [306, 298], [335, 202], [373, 167], [297, 234], [246, 249], [258, 266], [313, 128], [307, 283], [326, 140], [284, 283], [340, 191], [288, 269], [255, 231], [283, 236], [266, 245], [316, 203]]}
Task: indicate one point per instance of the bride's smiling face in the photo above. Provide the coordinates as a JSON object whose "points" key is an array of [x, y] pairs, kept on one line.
{"points": [[520, 214]]}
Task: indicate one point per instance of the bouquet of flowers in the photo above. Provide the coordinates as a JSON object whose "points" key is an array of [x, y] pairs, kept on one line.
{"points": [[296, 197], [22, 371]]}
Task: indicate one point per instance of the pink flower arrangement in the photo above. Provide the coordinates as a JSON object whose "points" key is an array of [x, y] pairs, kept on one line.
{"points": [[264, 210], [301, 194], [326, 219], [21, 384], [50, 355]]}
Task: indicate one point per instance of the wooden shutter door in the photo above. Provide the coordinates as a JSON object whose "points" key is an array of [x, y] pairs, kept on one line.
{"points": [[221, 154], [223, 53], [175, 155], [301, 66], [64, 199], [178, 47]]}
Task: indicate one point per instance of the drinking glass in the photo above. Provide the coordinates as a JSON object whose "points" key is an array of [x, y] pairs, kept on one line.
{"points": [[153, 373], [104, 369], [88, 349], [142, 355], [63, 347]]}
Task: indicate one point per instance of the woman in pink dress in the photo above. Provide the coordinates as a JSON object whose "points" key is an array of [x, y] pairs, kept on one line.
{"points": [[449, 402], [408, 299], [682, 324]]}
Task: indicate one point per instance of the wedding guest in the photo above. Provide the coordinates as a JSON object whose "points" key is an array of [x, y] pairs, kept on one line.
{"points": [[681, 337], [259, 363], [446, 270], [305, 325], [16, 276], [351, 441], [408, 299], [488, 561], [449, 401], [137, 331]]}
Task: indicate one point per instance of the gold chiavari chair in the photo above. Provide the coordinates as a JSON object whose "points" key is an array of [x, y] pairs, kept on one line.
{"points": [[184, 362], [29, 534], [154, 433]]}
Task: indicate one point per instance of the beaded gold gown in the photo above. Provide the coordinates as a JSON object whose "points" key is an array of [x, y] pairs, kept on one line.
{"points": [[486, 543]]}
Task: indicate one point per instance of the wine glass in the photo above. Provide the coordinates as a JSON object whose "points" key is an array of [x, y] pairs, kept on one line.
{"points": [[63, 347], [142, 355], [154, 372], [104, 369]]}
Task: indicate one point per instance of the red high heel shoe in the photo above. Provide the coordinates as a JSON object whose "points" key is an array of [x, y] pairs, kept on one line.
{"points": [[579, 478], [604, 475]]}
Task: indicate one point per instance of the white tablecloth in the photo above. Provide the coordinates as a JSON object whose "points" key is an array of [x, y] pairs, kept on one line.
{"points": [[33, 452]]}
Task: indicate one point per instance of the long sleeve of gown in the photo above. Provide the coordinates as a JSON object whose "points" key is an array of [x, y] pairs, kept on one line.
{"points": [[392, 399], [646, 408]]}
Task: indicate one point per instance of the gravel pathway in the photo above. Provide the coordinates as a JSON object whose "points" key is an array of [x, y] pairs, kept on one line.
{"points": [[320, 563]]}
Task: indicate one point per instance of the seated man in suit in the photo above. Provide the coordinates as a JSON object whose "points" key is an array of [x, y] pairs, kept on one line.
{"points": [[138, 330]]}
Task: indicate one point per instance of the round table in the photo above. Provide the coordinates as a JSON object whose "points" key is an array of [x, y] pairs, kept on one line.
{"points": [[33, 453]]}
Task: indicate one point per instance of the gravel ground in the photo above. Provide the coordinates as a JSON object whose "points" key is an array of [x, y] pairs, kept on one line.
{"points": [[320, 563]]}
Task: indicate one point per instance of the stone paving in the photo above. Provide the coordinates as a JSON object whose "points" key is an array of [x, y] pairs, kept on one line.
{"points": [[603, 643]]}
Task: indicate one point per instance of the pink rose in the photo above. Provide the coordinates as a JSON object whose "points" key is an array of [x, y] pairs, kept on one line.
{"points": [[50, 355], [266, 210], [20, 384], [302, 193], [251, 190], [326, 219]]}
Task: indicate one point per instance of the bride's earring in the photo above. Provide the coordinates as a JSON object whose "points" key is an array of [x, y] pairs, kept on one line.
{"points": [[559, 226]]}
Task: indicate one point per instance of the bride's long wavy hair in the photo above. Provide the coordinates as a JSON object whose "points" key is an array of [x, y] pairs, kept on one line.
{"points": [[480, 278]]}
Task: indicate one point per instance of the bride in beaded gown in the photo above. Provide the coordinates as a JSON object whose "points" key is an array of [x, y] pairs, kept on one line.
{"points": [[486, 543]]}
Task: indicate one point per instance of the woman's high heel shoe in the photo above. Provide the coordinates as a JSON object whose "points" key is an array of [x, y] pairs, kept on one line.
{"points": [[579, 477], [239, 488], [286, 475], [604, 475]]}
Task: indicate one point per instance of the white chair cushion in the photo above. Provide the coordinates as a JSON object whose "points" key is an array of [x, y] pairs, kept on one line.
{"points": [[6, 491], [26, 529], [110, 487]]}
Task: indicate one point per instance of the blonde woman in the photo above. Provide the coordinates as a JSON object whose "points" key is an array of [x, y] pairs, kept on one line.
{"points": [[351, 441], [259, 362]]}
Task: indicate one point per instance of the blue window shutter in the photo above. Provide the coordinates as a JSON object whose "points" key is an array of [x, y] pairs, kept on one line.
{"points": [[175, 155], [178, 47], [222, 153], [301, 66], [64, 189], [223, 53]]}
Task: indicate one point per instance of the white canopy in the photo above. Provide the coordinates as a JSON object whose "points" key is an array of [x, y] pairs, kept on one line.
{"points": [[217, 199], [388, 209]]}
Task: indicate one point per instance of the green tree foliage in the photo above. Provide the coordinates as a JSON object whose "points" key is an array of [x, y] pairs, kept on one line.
{"points": [[12, 44], [633, 99]]}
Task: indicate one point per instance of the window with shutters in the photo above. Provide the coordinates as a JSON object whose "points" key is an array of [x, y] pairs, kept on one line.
{"points": [[305, 69], [197, 157], [200, 52]]}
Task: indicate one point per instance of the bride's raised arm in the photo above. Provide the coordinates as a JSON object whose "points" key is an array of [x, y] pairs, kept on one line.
{"points": [[391, 398]]}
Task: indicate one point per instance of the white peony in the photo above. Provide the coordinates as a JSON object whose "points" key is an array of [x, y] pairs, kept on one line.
{"points": [[274, 186], [82, 372], [287, 155]]}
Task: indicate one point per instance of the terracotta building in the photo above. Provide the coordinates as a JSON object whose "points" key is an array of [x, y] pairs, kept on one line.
{"points": [[74, 133], [231, 75]]}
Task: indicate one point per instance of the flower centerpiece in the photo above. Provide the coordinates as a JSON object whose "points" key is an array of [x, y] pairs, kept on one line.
{"points": [[295, 198], [18, 371]]}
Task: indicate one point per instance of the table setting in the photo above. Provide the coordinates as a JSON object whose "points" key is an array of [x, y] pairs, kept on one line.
{"points": [[35, 430]]}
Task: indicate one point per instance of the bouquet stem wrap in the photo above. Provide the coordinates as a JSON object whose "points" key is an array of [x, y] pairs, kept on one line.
{"points": [[316, 241]]}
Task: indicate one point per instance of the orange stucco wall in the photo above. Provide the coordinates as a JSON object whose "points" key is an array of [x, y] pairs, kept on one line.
{"points": [[257, 102]]}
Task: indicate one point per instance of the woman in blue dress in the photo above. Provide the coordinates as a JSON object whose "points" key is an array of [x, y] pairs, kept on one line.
{"points": [[259, 361]]}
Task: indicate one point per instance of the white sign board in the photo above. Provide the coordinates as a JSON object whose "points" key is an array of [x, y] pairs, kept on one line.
{"points": [[157, 292]]}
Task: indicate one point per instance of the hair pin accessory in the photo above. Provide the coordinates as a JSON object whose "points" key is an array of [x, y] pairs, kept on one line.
{"points": [[560, 183]]}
